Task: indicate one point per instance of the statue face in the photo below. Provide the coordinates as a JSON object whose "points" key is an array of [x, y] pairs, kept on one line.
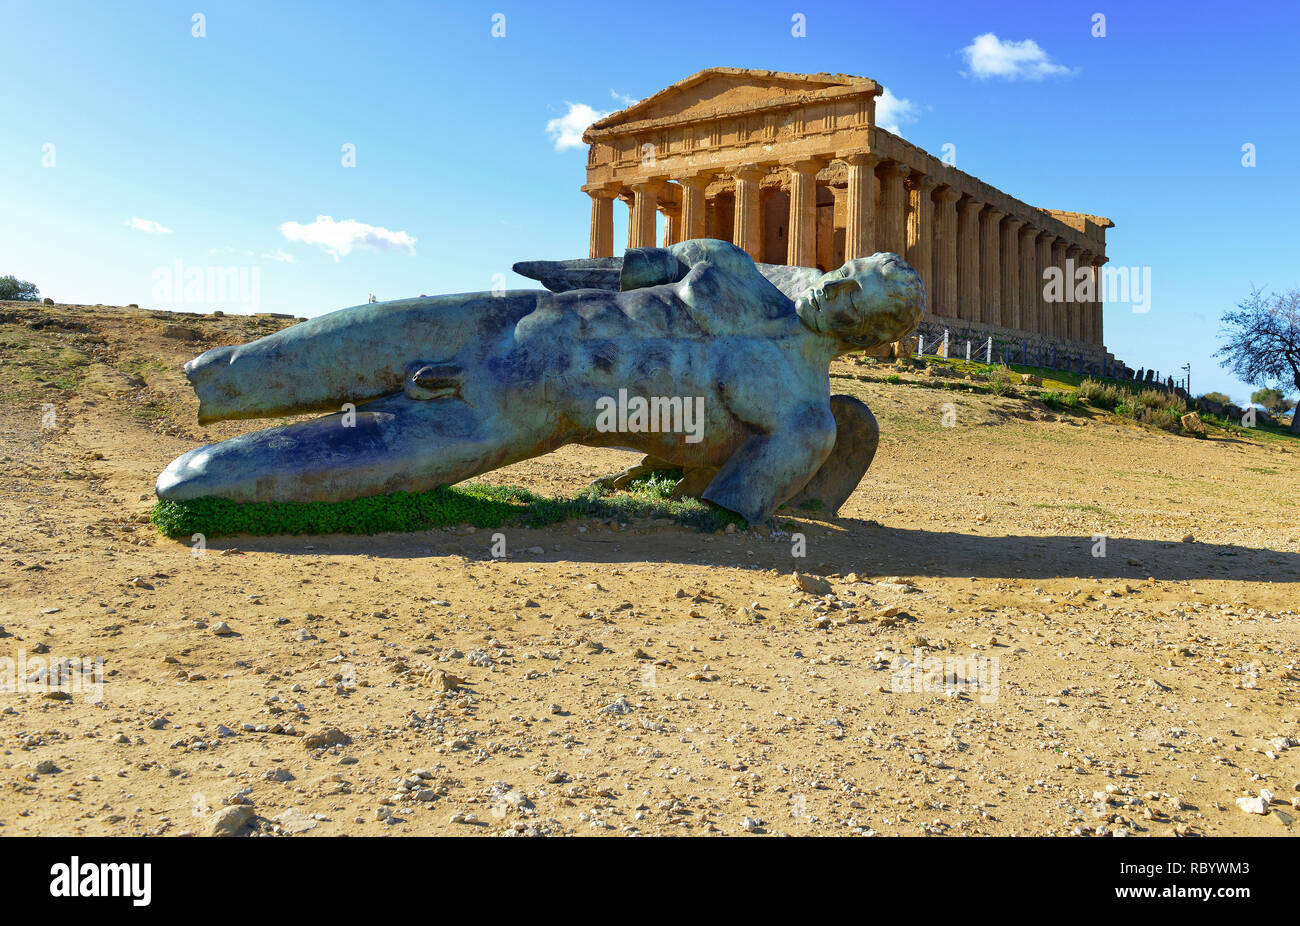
{"points": [[867, 302]]}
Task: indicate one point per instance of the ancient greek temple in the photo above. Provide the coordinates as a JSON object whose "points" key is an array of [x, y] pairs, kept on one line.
{"points": [[794, 169]]}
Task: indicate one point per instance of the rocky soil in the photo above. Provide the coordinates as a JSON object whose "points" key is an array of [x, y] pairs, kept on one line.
{"points": [[949, 657]]}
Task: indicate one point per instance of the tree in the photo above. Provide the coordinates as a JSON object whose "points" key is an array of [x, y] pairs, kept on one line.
{"points": [[1273, 400], [1262, 345], [1217, 397], [13, 288]]}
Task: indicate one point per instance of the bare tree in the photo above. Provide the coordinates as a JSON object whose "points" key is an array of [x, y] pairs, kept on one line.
{"points": [[1263, 342]]}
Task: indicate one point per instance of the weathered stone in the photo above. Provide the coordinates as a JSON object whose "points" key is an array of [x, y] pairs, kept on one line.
{"points": [[323, 739], [813, 585], [230, 821]]}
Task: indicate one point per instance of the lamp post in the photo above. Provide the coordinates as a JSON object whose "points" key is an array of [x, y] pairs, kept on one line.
{"points": [[1187, 368]]}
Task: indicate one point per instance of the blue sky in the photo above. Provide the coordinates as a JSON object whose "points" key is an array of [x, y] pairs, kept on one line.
{"points": [[132, 145]]}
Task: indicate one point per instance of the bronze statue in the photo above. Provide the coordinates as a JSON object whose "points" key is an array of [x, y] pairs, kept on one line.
{"points": [[691, 354]]}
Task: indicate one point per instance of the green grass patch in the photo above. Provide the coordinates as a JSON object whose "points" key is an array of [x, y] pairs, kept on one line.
{"points": [[1091, 509], [1060, 400], [471, 503]]}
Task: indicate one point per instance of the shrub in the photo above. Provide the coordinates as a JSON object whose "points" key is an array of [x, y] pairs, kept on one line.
{"points": [[1154, 407], [1102, 395], [1060, 400]]}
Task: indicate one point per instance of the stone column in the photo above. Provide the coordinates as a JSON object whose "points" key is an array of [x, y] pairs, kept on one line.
{"points": [[602, 223], [1076, 309], [747, 227], [920, 230], [1083, 262], [944, 301], [1030, 319], [801, 242], [990, 268], [891, 231], [1047, 321], [1098, 334], [693, 213], [860, 219], [644, 207], [672, 224], [968, 259], [1010, 270], [626, 198], [1061, 308]]}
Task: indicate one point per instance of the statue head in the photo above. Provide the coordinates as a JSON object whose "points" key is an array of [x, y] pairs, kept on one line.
{"points": [[867, 302]]}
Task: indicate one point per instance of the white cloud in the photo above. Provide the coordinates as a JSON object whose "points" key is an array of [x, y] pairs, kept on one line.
{"points": [[988, 56], [339, 238], [567, 129], [891, 111], [283, 257], [624, 99], [148, 226]]}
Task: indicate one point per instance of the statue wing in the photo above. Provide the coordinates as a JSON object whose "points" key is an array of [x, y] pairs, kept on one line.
{"points": [[607, 273], [563, 275]]}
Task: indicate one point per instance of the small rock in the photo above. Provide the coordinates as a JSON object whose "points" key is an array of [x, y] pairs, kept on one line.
{"points": [[229, 820], [323, 739], [1252, 805], [813, 585]]}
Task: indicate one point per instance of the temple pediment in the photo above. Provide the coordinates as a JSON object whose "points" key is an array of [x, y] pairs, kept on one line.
{"points": [[723, 90]]}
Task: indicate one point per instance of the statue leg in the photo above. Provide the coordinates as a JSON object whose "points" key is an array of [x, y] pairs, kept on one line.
{"points": [[770, 468], [393, 444], [856, 437]]}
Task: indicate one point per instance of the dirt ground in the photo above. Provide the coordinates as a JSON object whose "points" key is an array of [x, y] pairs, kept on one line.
{"points": [[974, 669]]}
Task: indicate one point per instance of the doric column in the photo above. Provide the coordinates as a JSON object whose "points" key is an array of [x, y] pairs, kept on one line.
{"points": [[1046, 320], [747, 228], [891, 232], [968, 259], [860, 218], [801, 250], [1029, 317], [1076, 309], [1083, 262], [626, 198], [693, 188], [1010, 256], [944, 300], [645, 201], [1098, 334], [602, 222], [672, 224], [1061, 308], [990, 267], [920, 229]]}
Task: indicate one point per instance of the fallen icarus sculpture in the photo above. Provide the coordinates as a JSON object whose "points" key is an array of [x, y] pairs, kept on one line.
{"points": [[692, 354]]}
